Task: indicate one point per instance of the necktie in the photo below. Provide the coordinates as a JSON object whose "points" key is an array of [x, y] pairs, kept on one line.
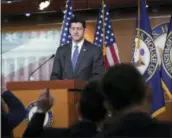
{"points": [[75, 57]]}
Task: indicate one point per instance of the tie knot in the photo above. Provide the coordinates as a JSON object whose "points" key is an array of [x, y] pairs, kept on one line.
{"points": [[76, 46]]}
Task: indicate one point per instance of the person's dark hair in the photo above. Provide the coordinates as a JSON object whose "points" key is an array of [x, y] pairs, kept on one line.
{"points": [[123, 86], [91, 106], [77, 19]]}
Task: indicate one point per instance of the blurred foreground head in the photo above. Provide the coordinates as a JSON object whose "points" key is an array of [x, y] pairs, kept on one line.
{"points": [[123, 87], [91, 106]]}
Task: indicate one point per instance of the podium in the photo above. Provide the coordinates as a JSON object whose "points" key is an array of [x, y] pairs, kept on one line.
{"points": [[65, 93]]}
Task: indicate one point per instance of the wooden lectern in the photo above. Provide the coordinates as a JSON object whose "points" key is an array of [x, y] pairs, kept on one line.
{"points": [[65, 93]]}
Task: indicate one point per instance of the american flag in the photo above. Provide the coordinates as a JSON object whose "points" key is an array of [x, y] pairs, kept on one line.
{"points": [[111, 55], [68, 14]]}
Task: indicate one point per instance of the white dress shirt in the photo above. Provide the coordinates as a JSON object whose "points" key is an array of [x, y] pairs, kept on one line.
{"points": [[79, 47]]}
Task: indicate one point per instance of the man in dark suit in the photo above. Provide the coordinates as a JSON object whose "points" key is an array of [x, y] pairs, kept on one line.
{"points": [[79, 60], [90, 109], [129, 102]]}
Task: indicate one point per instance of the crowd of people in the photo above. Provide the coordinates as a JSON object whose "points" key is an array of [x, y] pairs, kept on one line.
{"points": [[121, 92]]}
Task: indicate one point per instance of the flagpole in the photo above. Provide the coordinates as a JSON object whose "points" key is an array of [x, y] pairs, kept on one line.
{"points": [[138, 42], [103, 23]]}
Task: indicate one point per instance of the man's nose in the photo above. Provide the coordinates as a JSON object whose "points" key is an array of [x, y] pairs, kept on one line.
{"points": [[76, 31]]}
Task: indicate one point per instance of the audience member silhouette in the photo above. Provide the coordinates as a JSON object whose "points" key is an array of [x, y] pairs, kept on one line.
{"points": [[127, 98]]}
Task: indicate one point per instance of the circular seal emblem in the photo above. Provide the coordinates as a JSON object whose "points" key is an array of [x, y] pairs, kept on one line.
{"points": [[159, 35], [31, 110], [145, 55], [167, 55]]}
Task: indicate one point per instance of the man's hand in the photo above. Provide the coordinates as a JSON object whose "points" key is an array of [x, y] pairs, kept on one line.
{"points": [[45, 101]]}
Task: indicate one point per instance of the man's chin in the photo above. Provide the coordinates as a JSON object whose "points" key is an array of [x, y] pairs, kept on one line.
{"points": [[77, 40]]}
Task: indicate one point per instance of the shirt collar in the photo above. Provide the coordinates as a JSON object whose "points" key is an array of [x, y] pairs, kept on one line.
{"points": [[78, 44]]}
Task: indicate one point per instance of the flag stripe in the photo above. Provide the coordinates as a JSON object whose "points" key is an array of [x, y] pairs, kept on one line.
{"points": [[109, 56], [106, 62], [117, 52], [113, 52]]}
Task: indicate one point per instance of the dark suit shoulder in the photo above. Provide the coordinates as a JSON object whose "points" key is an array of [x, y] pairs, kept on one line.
{"points": [[92, 46], [66, 46], [88, 43]]}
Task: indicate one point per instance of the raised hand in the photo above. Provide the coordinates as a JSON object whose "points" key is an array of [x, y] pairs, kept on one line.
{"points": [[45, 101]]}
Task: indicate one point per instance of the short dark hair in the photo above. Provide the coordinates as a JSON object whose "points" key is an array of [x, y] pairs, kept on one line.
{"points": [[77, 19], [91, 106], [123, 86]]}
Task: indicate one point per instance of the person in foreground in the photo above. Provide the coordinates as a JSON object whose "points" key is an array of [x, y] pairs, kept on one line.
{"points": [[90, 109], [15, 115], [80, 59], [127, 98]]}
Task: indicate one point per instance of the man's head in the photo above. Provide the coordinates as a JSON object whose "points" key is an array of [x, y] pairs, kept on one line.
{"points": [[124, 87], [77, 29], [91, 106]]}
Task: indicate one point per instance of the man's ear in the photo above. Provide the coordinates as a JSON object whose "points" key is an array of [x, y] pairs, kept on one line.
{"points": [[86, 30]]}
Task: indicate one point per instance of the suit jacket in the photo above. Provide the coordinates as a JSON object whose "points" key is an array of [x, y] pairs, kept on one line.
{"points": [[90, 65], [138, 125], [80, 129], [16, 114]]}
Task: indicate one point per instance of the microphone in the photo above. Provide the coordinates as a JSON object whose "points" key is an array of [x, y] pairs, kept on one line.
{"points": [[30, 75]]}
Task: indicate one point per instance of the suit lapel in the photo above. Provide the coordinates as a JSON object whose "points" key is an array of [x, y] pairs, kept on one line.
{"points": [[81, 56]]}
